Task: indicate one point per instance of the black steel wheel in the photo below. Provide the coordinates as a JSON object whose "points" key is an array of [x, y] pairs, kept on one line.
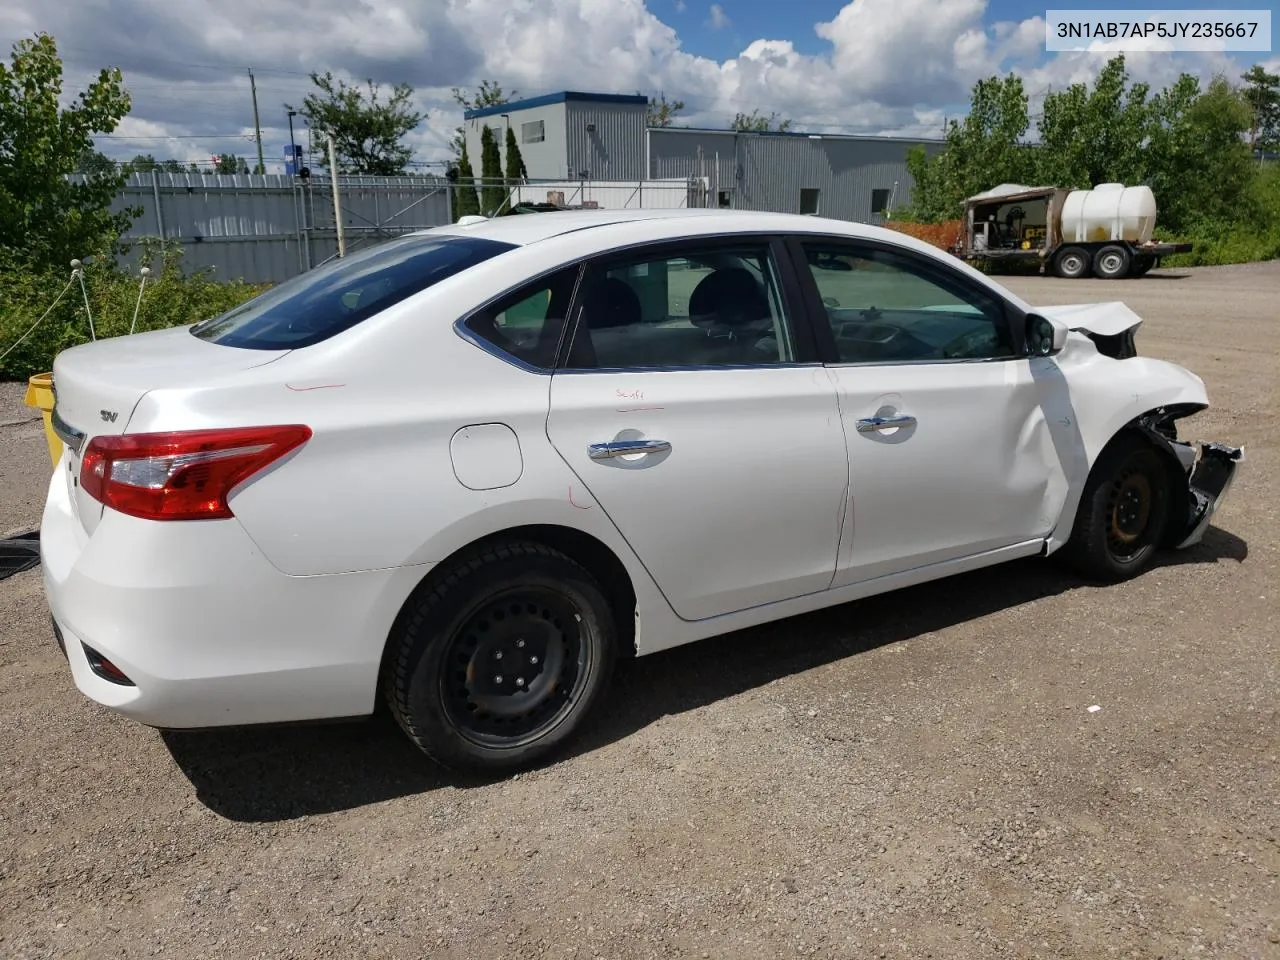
{"points": [[1071, 263], [497, 666], [1122, 513], [1111, 262]]}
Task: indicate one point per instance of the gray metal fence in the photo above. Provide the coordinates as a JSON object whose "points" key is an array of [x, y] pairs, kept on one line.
{"points": [[269, 228]]}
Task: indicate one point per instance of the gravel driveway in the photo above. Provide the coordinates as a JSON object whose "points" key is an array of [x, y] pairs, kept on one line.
{"points": [[915, 775]]}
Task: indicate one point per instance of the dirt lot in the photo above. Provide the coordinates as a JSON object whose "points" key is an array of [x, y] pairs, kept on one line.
{"points": [[916, 775]]}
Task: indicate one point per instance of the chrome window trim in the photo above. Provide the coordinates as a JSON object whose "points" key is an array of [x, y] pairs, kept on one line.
{"points": [[692, 368]]}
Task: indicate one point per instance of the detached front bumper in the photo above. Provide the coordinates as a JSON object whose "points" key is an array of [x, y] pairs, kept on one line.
{"points": [[1209, 477]]}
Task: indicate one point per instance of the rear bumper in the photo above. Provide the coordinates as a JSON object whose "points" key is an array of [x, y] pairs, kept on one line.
{"points": [[206, 630]]}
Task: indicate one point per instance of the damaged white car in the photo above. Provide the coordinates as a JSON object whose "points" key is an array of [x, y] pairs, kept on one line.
{"points": [[467, 469]]}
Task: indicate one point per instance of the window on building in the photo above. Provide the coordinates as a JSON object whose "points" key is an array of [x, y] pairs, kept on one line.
{"points": [[534, 131], [722, 198], [809, 201], [879, 202]]}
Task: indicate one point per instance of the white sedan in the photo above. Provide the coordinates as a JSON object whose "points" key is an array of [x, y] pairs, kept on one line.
{"points": [[467, 469]]}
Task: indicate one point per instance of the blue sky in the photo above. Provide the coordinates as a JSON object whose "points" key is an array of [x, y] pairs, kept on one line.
{"points": [[742, 21]]}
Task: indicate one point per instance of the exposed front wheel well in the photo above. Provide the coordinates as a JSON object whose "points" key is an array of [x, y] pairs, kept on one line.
{"points": [[580, 547], [1156, 429]]}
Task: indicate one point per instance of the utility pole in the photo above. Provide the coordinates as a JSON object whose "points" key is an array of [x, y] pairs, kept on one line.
{"points": [[337, 206], [257, 127]]}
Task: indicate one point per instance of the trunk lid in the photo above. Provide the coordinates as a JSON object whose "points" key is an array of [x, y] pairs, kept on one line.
{"points": [[97, 387]]}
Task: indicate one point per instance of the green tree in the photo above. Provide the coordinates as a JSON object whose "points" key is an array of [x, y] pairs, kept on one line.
{"points": [[491, 190], [1095, 136], [94, 162], [43, 217], [1262, 93], [1215, 170], [465, 201], [756, 122], [141, 163], [516, 170], [368, 133], [983, 150], [488, 94], [660, 112], [229, 163]]}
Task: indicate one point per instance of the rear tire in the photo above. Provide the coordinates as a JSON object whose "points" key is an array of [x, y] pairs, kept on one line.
{"points": [[496, 666], [1071, 263], [1122, 512], [1111, 262]]}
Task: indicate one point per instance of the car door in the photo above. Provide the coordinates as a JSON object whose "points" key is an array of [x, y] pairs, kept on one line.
{"points": [[949, 446], [693, 410]]}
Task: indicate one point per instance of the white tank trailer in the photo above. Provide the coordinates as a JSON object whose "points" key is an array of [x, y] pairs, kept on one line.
{"points": [[1106, 232]]}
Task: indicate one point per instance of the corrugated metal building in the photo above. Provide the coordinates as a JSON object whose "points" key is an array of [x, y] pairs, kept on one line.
{"points": [[590, 136], [841, 176], [596, 136]]}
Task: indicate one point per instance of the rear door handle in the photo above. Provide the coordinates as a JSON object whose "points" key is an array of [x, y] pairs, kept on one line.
{"points": [[623, 448], [876, 424]]}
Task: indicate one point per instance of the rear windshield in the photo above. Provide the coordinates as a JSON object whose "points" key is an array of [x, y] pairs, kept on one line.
{"points": [[329, 299]]}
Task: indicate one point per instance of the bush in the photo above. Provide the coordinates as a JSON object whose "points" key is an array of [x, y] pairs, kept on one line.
{"points": [[169, 299]]}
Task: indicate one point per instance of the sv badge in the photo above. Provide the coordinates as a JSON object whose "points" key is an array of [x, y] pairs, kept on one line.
{"points": [[109, 415]]}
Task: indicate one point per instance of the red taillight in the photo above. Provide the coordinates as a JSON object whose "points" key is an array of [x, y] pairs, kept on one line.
{"points": [[181, 476]]}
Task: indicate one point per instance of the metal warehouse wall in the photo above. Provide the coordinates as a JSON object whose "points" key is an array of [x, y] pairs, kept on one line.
{"points": [[270, 228], [767, 172], [614, 150], [546, 160]]}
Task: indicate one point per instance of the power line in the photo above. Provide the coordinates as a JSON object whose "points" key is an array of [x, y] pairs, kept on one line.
{"points": [[178, 136]]}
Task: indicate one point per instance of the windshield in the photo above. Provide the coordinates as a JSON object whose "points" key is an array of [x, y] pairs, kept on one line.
{"points": [[335, 297]]}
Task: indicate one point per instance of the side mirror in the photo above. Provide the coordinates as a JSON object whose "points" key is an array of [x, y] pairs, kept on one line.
{"points": [[1044, 337]]}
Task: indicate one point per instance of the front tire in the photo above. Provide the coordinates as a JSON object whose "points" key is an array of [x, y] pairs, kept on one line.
{"points": [[1122, 512], [497, 665]]}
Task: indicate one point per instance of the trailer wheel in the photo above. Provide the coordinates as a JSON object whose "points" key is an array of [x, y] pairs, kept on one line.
{"points": [[1111, 262], [1071, 263]]}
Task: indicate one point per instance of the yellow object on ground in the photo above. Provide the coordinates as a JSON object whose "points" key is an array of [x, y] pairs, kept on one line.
{"points": [[40, 395]]}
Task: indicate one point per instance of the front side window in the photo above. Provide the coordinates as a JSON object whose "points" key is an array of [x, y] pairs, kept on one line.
{"points": [[701, 308], [887, 307], [329, 299]]}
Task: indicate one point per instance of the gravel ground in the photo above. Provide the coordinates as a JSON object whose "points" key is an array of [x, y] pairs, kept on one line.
{"points": [[916, 775]]}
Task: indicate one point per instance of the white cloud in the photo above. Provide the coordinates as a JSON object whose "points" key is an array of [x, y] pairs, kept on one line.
{"points": [[681, 6], [719, 19], [887, 65]]}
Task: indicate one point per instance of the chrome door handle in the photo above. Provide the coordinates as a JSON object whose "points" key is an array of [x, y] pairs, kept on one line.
{"points": [[623, 448], [876, 424]]}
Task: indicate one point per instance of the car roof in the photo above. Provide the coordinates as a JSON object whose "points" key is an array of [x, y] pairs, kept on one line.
{"points": [[532, 228]]}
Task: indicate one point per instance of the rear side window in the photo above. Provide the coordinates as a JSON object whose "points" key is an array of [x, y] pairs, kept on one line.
{"points": [[335, 297]]}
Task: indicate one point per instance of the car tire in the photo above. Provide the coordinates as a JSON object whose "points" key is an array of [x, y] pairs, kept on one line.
{"points": [[494, 664], [1122, 514], [1111, 262], [1071, 263]]}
